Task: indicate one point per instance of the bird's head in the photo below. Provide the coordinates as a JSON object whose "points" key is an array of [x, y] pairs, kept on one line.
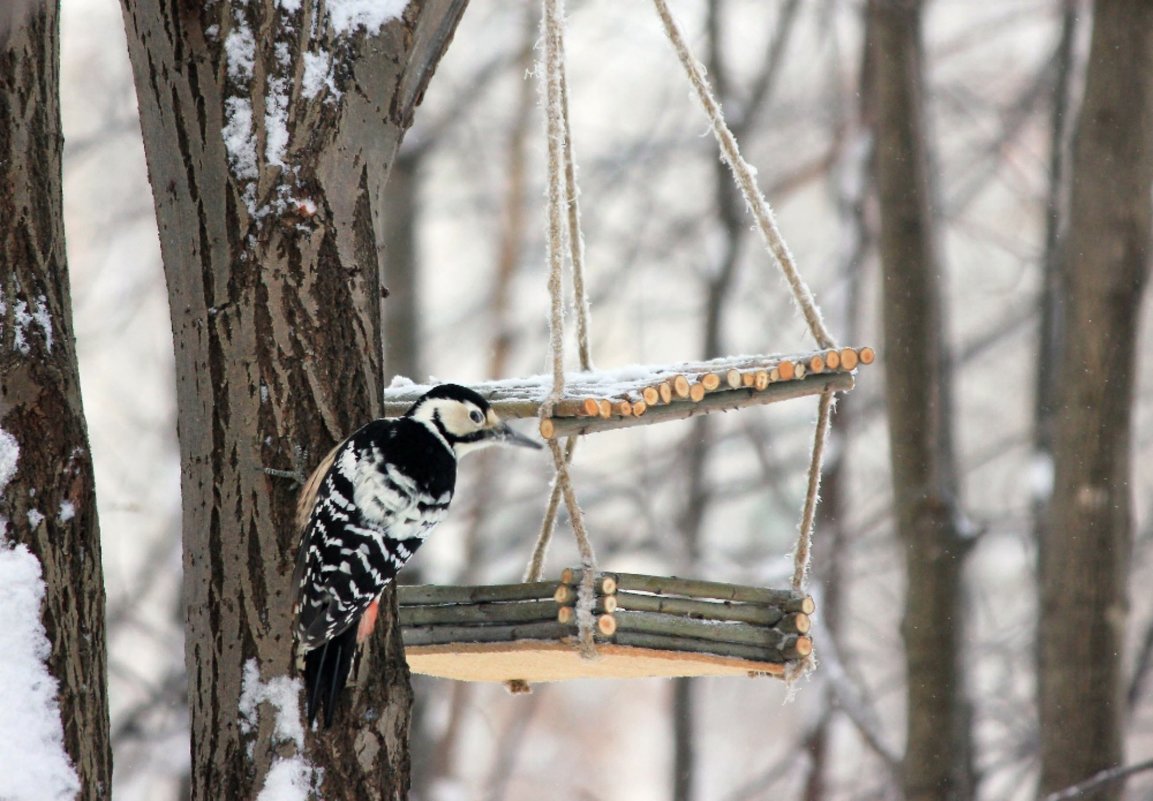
{"points": [[465, 419]]}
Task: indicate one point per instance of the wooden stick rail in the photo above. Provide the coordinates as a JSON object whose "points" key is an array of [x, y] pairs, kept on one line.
{"points": [[655, 612], [435, 594], [642, 395], [479, 614], [787, 600], [791, 649]]}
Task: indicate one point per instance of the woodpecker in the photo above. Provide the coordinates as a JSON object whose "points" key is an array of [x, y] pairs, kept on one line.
{"points": [[365, 511]]}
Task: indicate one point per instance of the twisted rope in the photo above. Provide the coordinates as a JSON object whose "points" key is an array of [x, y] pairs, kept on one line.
{"points": [[551, 83], [803, 549], [563, 220], [535, 568], [575, 236]]}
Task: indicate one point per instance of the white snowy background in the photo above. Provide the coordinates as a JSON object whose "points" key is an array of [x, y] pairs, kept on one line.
{"points": [[646, 172]]}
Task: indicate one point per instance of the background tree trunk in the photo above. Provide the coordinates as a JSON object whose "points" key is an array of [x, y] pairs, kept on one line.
{"points": [[50, 504], [918, 397], [1084, 557], [271, 252]]}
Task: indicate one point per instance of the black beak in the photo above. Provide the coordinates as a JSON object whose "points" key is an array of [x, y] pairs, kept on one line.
{"points": [[506, 435]]}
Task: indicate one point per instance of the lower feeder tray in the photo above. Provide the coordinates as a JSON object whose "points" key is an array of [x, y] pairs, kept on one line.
{"points": [[644, 626]]}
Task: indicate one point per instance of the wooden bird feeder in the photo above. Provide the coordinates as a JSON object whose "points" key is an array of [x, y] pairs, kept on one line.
{"points": [[645, 626], [596, 624]]}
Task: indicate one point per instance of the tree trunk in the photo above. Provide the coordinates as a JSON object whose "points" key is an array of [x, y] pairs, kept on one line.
{"points": [[269, 134], [1084, 557], [402, 335], [918, 399], [50, 504]]}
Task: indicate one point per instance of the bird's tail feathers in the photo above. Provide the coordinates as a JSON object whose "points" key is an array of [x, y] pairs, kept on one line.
{"points": [[326, 671]]}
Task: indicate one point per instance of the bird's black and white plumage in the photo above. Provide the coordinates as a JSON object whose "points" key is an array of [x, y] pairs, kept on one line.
{"points": [[365, 511]]}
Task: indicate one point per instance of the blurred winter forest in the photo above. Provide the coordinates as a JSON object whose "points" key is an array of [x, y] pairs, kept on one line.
{"points": [[675, 273]]}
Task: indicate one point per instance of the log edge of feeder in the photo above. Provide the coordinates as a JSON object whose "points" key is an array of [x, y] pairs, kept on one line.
{"points": [[720, 401]]}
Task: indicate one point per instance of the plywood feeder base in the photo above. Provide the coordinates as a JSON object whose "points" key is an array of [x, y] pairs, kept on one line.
{"points": [[540, 661]]}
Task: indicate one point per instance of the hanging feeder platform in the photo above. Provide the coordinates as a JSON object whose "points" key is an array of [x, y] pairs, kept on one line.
{"points": [[631, 396], [625, 625], [645, 626]]}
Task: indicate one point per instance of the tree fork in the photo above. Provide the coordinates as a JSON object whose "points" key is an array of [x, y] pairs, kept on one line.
{"points": [[273, 275]]}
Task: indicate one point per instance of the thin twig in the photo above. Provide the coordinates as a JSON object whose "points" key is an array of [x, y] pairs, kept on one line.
{"points": [[1099, 781]]}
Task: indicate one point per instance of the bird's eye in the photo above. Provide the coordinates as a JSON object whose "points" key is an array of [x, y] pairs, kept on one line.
{"points": [[476, 416]]}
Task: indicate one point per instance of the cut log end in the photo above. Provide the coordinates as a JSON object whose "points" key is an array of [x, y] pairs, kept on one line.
{"points": [[867, 355], [607, 625], [787, 370], [697, 393], [796, 623], [733, 378], [849, 358], [817, 363], [652, 395], [547, 428], [710, 381], [833, 360], [681, 386], [665, 391]]}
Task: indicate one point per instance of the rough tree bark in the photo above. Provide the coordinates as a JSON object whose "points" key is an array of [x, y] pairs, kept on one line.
{"points": [[1084, 556], [269, 136], [918, 400], [50, 504]]}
